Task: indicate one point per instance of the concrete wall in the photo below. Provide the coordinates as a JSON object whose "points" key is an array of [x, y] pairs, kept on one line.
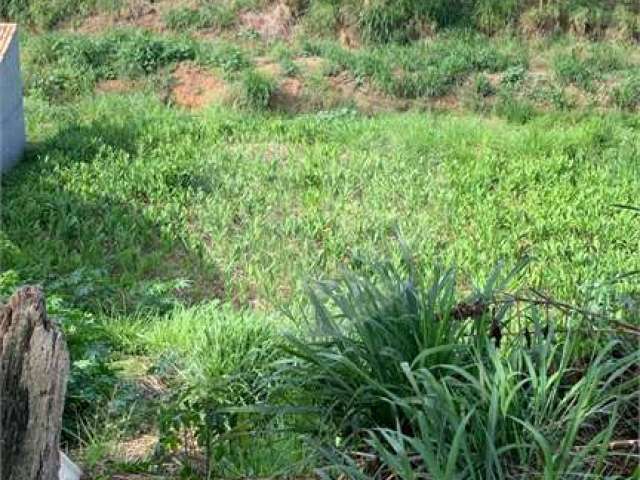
{"points": [[12, 132]]}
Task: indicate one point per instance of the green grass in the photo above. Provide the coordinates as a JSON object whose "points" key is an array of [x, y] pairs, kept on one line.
{"points": [[168, 242], [141, 204], [429, 392], [208, 16], [424, 69]]}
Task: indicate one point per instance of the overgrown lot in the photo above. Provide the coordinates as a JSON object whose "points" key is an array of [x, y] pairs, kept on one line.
{"points": [[364, 240]]}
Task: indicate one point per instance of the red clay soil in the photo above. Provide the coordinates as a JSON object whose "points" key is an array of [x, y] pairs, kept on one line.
{"points": [[195, 87]]}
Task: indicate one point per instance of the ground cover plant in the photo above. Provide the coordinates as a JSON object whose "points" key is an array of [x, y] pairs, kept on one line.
{"points": [[280, 235]]}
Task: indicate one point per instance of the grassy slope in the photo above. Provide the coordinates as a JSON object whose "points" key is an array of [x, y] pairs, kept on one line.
{"points": [[127, 207], [245, 207]]}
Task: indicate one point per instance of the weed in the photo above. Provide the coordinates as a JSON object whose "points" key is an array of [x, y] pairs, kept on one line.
{"points": [[513, 108], [570, 68], [626, 95], [367, 331], [44, 14], [218, 16], [321, 19], [62, 65], [491, 16], [497, 418], [483, 86], [257, 90], [289, 67], [513, 76]]}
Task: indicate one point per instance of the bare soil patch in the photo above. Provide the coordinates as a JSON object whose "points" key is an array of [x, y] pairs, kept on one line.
{"points": [[195, 87], [115, 86], [274, 22]]}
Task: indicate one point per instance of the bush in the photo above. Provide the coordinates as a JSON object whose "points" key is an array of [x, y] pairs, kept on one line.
{"points": [[257, 90]]}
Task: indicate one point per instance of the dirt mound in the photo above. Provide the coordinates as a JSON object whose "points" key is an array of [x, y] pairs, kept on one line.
{"points": [[195, 87], [274, 22]]}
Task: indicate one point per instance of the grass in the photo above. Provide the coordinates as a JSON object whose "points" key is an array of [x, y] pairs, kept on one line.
{"points": [[424, 69], [244, 207], [440, 393], [209, 16], [171, 242]]}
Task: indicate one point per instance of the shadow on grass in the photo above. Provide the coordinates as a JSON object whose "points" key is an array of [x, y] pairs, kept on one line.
{"points": [[100, 250]]}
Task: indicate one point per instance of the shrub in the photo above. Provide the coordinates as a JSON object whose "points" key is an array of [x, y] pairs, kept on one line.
{"points": [[257, 90]]}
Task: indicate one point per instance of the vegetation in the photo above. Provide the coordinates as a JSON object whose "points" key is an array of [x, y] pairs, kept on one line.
{"points": [[209, 189]]}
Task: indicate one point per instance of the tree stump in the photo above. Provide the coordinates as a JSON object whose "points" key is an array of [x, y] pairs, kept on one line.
{"points": [[34, 366]]}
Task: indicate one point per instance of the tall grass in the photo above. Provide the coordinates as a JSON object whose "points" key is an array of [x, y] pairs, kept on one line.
{"points": [[516, 415], [439, 389], [367, 331]]}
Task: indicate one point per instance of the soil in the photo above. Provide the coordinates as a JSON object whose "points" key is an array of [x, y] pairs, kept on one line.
{"points": [[274, 22], [114, 86], [196, 87]]}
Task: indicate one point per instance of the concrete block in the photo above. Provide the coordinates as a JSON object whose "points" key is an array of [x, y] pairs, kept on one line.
{"points": [[12, 131]]}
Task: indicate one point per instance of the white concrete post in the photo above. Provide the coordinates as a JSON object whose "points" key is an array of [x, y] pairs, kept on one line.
{"points": [[12, 132]]}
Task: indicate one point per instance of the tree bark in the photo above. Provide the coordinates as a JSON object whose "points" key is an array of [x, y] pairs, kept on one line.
{"points": [[34, 366]]}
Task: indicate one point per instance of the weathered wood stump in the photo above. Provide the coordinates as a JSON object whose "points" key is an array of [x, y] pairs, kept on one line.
{"points": [[34, 366]]}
